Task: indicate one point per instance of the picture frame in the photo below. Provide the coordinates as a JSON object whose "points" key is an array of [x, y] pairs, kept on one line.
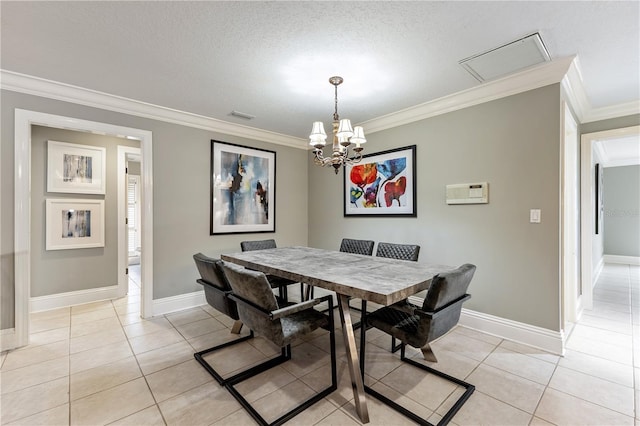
{"points": [[382, 184], [242, 189], [75, 168], [74, 223]]}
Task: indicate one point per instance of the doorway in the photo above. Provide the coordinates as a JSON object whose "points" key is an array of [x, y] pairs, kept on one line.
{"points": [[24, 119], [130, 215], [592, 251]]}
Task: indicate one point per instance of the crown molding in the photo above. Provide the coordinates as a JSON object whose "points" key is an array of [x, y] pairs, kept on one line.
{"points": [[36, 86], [529, 79], [565, 71], [613, 111], [574, 89], [601, 155]]}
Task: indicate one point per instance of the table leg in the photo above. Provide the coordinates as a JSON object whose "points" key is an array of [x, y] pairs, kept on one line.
{"points": [[352, 357]]}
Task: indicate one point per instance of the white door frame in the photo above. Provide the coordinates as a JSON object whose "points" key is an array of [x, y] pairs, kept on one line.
{"points": [[124, 152], [24, 119], [587, 206], [571, 307]]}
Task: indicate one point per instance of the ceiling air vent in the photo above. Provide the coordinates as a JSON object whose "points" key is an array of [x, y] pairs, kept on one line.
{"points": [[507, 59], [242, 115]]}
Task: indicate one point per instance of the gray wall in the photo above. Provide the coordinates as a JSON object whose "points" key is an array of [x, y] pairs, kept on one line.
{"points": [[512, 143], [180, 189], [610, 124], [622, 211], [59, 271]]}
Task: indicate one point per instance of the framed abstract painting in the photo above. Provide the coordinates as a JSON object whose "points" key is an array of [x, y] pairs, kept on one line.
{"points": [[382, 184], [76, 168], [74, 224], [242, 189]]}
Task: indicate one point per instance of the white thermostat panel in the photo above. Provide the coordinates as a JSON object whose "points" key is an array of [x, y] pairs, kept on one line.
{"points": [[468, 193]]}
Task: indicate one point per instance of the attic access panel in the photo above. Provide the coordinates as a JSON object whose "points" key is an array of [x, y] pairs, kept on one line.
{"points": [[507, 59]]}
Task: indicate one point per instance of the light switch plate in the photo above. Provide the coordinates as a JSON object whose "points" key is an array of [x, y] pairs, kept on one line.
{"points": [[534, 216]]}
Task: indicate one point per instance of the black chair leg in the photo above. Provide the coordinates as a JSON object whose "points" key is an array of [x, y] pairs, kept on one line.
{"points": [[199, 356], [394, 347], [286, 355], [469, 389]]}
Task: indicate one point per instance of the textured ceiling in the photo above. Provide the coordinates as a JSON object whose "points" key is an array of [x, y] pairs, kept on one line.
{"points": [[273, 59]]}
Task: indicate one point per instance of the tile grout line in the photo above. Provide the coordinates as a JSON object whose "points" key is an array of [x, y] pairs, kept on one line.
{"points": [[144, 376]]}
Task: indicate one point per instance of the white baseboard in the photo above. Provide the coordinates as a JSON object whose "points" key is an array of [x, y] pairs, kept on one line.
{"points": [[72, 298], [548, 340], [178, 303], [625, 260], [7, 339]]}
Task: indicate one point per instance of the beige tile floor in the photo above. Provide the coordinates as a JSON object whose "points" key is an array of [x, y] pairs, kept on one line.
{"points": [[101, 364]]}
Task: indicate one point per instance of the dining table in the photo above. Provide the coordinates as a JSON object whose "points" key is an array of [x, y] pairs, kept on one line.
{"points": [[373, 279]]}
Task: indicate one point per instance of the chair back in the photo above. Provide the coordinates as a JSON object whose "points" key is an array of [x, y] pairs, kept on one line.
{"points": [[216, 286], [253, 287], [398, 251], [349, 245], [257, 245], [447, 293]]}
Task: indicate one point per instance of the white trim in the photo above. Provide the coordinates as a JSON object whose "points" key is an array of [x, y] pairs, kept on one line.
{"points": [[24, 119], [548, 340], [625, 260], [564, 70], [569, 211], [36, 86], [178, 303], [587, 223], [7, 339], [532, 78], [22, 224], [574, 90], [622, 162], [612, 111], [123, 278], [72, 298]]}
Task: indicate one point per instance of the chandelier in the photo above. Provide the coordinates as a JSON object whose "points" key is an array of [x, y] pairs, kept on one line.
{"points": [[343, 137]]}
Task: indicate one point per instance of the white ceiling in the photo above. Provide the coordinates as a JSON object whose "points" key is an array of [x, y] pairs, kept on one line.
{"points": [[273, 59], [620, 151]]}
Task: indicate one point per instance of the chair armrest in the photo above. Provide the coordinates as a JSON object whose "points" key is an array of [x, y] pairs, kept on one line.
{"points": [[249, 304], [292, 309], [431, 314]]}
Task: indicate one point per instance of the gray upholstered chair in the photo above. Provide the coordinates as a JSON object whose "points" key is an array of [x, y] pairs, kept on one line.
{"points": [[398, 251], [216, 291], [419, 326], [276, 282], [260, 311], [349, 245], [401, 252], [364, 247]]}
